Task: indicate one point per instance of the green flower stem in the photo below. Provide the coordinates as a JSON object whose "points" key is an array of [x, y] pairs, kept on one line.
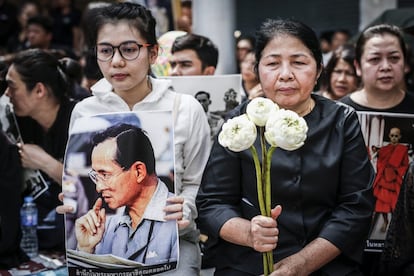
{"points": [[264, 164], [268, 199], [266, 271], [268, 184], [258, 180], [264, 190]]}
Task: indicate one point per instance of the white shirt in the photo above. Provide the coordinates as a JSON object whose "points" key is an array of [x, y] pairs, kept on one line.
{"points": [[191, 133]]}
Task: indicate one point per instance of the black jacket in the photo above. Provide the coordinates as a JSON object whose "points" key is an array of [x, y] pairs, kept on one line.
{"points": [[324, 189]]}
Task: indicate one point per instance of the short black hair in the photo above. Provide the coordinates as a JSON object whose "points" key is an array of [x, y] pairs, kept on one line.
{"points": [[202, 93], [272, 28], [205, 49], [45, 22], [132, 145]]}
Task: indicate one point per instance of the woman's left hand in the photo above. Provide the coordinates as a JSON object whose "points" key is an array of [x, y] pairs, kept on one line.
{"points": [[292, 265], [174, 210]]}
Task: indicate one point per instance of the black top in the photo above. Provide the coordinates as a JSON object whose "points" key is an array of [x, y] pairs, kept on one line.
{"points": [[405, 106], [316, 186], [54, 143]]}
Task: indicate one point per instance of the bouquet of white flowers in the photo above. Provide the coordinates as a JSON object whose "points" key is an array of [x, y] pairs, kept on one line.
{"points": [[280, 128]]}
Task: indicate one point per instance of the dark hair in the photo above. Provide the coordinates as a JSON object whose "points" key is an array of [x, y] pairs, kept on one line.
{"points": [[3, 71], [380, 29], [275, 27], [25, 3], [249, 38], [346, 53], [202, 93], [74, 69], [45, 22], [137, 16], [326, 35], [91, 68], [186, 4], [132, 145], [205, 49], [342, 31], [36, 65]]}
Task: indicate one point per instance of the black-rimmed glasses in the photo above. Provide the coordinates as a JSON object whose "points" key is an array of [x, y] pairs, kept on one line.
{"points": [[129, 50]]}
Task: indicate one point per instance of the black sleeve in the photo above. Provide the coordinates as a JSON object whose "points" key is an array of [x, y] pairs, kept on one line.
{"points": [[10, 202]]}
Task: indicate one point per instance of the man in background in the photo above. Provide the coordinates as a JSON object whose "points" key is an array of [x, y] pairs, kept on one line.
{"points": [[193, 55]]}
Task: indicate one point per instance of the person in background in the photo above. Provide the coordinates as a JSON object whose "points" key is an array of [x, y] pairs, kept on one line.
{"points": [[321, 212], [340, 77], [250, 81], [196, 55], [185, 21], [325, 39], [339, 38], [74, 71], [8, 23], [91, 72], [380, 60], [123, 37], [38, 89], [244, 44], [18, 41], [193, 55], [66, 25], [40, 35]]}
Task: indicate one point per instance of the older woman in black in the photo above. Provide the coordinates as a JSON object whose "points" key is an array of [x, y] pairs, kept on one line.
{"points": [[322, 212]]}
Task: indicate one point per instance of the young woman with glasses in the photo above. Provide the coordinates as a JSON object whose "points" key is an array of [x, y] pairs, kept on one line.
{"points": [[123, 37]]}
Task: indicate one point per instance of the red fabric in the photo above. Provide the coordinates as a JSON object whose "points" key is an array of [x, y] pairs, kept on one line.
{"points": [[392, 163]]}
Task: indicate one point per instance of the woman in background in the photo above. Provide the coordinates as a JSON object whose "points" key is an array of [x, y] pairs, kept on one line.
{"points": [[123, 37], [340, 78], [250, 81]]}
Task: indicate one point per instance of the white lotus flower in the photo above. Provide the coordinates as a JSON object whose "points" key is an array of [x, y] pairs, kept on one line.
{"points": [[238, 133], [259, 110], [286, 129]]}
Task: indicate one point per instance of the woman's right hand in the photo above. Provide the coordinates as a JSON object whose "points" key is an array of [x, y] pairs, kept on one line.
{"points": [[264, 232], [90, 228]]}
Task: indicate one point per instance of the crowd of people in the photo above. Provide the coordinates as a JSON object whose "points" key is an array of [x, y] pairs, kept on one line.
{"points": [[325, 195]]}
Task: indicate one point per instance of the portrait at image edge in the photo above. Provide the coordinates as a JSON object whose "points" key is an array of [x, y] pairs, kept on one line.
{"points": [[326, 210], [386, 42]]}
